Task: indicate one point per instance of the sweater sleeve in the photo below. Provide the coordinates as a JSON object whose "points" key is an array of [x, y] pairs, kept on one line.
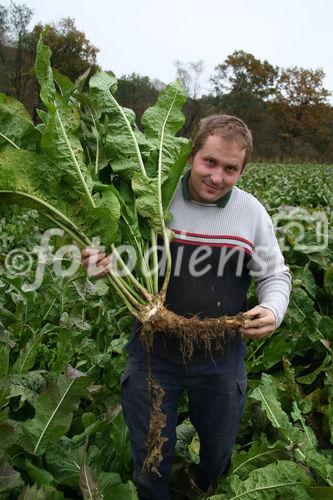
{"points": [[268, 269]]}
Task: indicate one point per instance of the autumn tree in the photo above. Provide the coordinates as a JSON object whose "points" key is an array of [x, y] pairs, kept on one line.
{"points": [[301, 108], [301, 87], [72, 52], [242, 72]]}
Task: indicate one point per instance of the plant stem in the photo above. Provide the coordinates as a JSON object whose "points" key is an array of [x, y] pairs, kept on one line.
{"points": [[129, 275], [155, 260], [160, 205], [128, 293], [97, 141], [168, 264], [145, 270], [133, 308], [9, 140], [133, 292]]}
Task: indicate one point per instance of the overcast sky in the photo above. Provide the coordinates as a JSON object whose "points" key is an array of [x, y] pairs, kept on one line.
{"points": [[147, 36]]}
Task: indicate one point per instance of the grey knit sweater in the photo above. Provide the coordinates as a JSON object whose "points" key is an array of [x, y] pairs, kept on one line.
{"points": [[216, 250]]}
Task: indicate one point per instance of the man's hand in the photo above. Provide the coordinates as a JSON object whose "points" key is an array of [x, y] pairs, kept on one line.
{"points": [[97, 263], [261, 323]]}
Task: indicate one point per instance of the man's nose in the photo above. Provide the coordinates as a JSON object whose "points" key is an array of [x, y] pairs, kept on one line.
{"points": [[216, 177]]}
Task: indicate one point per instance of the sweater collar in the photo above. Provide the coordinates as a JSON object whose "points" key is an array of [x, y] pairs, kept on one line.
{"points": [[221, 202]]}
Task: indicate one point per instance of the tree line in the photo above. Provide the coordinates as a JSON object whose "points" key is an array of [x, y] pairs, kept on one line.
{"points": [[287, 109]]}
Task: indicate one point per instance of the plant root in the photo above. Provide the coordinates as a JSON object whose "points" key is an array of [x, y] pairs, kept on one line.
{"points": [[157, 422], [192, 331]]}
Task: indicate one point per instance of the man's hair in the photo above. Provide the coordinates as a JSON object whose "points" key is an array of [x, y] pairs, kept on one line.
{"points": [[227, 126]]}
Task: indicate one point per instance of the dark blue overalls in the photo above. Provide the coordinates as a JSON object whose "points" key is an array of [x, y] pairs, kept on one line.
{"points": [[216, 393]]}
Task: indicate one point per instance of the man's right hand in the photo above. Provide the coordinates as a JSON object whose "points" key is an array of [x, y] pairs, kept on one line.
{"points": [[97, 263]]}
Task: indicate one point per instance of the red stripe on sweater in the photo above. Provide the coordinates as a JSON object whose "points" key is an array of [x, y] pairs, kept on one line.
{"points": [[212, 236]]}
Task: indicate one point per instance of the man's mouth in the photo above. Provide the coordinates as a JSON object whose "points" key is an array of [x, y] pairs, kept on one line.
{"points": [[210, 186]]}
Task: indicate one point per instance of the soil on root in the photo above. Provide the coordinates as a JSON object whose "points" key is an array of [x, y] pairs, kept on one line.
{"points": [[191, 332], [157, 422]]}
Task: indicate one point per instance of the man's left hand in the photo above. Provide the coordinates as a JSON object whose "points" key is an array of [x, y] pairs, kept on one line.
{"points": [[260, 323]]}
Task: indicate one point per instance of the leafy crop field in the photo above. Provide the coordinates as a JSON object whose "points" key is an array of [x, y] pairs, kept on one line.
{"points": [[62, 434]]}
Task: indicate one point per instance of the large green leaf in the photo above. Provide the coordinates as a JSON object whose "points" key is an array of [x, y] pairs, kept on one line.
{"points": [[61, 145], [303, 440], [54, 409], [16, 126], [44, 74], [272, 351], [59, 142], [125, 145], [167, 161], [27, 356], [317, 462], [112, 488], [24, 386], [26, 178], [171, 181], [63, 459], [283, 479], [147, 199], [266, 393], [260, 454]]}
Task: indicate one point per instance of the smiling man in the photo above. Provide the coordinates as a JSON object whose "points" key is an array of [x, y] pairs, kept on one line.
{"points": [[215, 168], [223, 236]]}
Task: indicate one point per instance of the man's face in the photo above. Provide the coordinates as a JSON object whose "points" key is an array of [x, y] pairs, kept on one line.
{"points": [[215, 169]]}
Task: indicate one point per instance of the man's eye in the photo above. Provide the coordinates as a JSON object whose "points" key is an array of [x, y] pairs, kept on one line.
{"points": [[210, 161]]}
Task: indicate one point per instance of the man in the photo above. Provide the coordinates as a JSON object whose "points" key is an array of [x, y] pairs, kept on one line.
{"points": [[223, 235]]}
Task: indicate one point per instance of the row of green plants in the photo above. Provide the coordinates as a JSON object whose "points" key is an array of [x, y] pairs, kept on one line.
{"points": [[61, 426], [62, 353]]}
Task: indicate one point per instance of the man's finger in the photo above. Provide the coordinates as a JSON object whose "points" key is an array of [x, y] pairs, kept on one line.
{"points": [[95, 258], [258, 323], [88, 251], [254, 312], [105, 263]]}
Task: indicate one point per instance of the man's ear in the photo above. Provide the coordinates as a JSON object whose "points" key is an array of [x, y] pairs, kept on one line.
{"points": [[190, 160]]}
